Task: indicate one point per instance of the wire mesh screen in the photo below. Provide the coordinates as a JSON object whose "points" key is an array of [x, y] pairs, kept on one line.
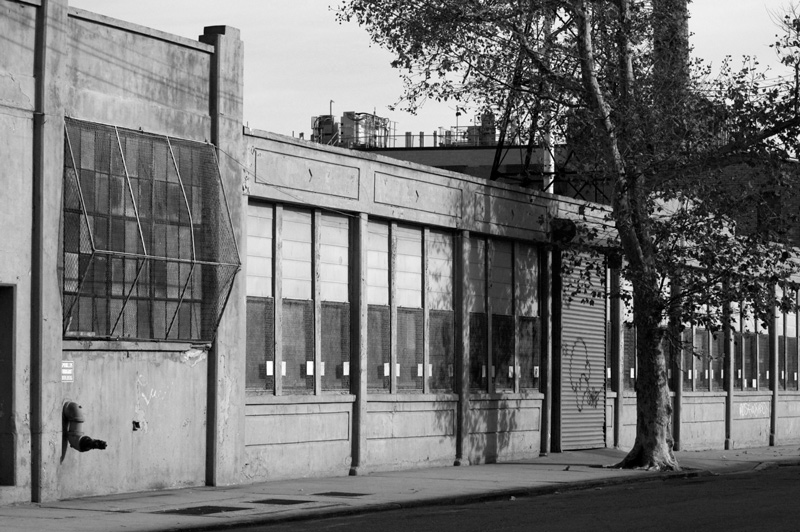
{"points": [[441, 356], [149, 250], [503, 352], [409, 349], [701, 356], [750, 362], [478, 356], [260, 343], [335, 345], [665, 349], [688, 360], [781, 363], [379, 354], [738, 360], [297, 336], [791, 363], [763, 361], [717, 362], [629, 354], [529, 353]]}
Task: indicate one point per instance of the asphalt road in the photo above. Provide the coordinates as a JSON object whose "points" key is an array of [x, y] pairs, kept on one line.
{"points": [[762, 500]]}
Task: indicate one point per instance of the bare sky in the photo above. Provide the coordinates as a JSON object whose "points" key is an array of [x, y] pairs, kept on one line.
{"points": [[298, 58]]}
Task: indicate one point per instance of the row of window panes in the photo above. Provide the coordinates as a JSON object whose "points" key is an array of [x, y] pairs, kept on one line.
{"points": [[402, 280]]}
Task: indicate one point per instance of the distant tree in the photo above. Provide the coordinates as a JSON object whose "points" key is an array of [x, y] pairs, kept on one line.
{"points": [[702, 168]]}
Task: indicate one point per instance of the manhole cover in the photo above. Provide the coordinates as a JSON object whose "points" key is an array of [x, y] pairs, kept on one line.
{"points": [[341, 494], [282, 502], [202, 510]]}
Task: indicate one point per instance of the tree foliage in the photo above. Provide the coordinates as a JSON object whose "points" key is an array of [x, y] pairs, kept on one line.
{"points": [[701, 164]]}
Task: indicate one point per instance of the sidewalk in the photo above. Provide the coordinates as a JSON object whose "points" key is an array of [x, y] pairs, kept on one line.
{"points": [[207, 508]]}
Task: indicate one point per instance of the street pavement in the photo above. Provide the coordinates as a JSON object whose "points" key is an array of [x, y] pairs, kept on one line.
{"points": [[215, 508]]}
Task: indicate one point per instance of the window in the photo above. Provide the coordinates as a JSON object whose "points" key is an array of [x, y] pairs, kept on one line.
{"points": [[378, 315], [148, 246], [334, 280], [260, 352], [478, 322], [526, 289], [439, 301]]}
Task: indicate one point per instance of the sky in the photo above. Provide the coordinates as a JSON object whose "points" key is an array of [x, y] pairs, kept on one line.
{"points": [[297, 57]]}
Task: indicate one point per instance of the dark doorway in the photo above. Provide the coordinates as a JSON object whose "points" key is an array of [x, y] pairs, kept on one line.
{"points": [[7, 454]]}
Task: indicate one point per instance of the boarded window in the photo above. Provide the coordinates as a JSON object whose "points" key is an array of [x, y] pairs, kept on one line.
{"points": [[296, 254], [378, 263], [260, 227], [440, 271], [148, 244]]}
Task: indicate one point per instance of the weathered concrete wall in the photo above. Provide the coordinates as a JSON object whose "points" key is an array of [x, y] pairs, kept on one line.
{"points": [[702, 421], [291, 171], [405, 432], [788, 430], [628, 430], [17, 27], [285, 440], [506, 429], [751, 420], [147, 403], [135, 77]]}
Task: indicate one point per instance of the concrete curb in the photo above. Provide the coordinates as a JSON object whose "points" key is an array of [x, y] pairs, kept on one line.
{"points": [[325, 513]]}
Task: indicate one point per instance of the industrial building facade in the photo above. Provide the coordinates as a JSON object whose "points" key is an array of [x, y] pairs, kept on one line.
{"points": [[229, 305]]}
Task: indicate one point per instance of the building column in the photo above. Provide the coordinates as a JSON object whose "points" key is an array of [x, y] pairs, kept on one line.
{"points": [[46, 316], [360, 346], [461, 282], [226, 364]]}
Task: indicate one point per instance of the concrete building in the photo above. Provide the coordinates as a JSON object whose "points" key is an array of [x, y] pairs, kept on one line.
{"points": [[229, 305]]}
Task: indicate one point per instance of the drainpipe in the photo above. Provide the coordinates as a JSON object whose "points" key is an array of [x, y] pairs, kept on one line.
{"points": [[37, 302]]}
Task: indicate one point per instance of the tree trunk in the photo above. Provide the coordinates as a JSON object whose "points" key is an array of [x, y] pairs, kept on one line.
{"points": [[653, 446]]}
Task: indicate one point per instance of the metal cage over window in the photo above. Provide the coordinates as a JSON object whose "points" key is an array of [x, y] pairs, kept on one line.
{"points": [[149, 250]]}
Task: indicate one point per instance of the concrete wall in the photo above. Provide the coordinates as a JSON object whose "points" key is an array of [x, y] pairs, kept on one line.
{"points": [[142, 399], [401, 430], [17, 27], [750, 426], [93, 68], [292, 439], [702, 421], [788, 419]]}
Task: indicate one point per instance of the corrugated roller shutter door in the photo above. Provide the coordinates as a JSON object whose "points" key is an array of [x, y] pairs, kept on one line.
{"points": [[583, 343]]}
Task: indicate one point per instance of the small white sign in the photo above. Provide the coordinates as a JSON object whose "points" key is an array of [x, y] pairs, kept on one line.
{"points": [[270, 368], [510, 372], [608, 373], [535, 371], [67, 371], [430, 370], [633, 373], [283, 368], [483, 372], [690, 374], [450, 371], [385, 369], [346, 369], [738, 374], [397, 369], [419, 370], [322, 368], [309, 367]]}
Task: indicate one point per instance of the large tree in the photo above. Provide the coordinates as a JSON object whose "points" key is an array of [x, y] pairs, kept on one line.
{"points": [[700, 166]]}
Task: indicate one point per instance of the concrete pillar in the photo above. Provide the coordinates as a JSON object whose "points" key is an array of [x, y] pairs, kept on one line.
{"points": [[461, 282], [359, 345], [48, 169], [226, 373]]}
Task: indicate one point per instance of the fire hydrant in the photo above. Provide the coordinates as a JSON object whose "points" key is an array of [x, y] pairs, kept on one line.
{"points": [[73, 415]]}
